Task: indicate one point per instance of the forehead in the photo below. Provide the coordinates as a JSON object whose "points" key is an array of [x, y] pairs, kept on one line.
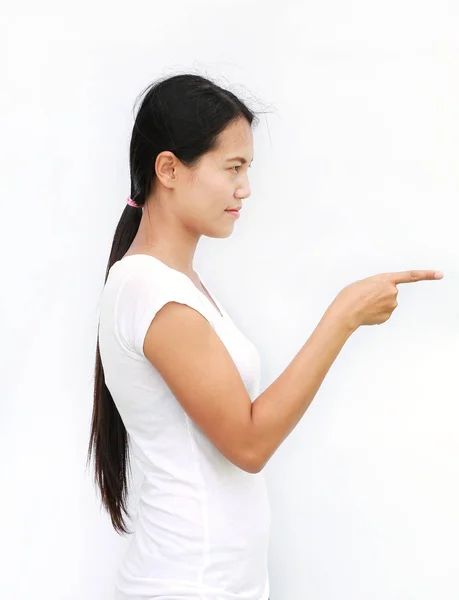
{"points": [[236, 140]]}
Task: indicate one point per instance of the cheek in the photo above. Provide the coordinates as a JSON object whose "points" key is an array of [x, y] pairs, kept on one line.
{"points": [[213, 190], [225, 184], [219, 188], [218, 179]]}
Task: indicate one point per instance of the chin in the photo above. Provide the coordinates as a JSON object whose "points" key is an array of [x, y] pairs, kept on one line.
{"points": [[218, 232]]}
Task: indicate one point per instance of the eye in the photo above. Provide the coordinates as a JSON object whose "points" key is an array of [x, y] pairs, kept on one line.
{"points": [[239, 166]]}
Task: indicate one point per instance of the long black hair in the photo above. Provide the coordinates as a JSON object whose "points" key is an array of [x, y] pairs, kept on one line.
{"points": [[183, 114]]}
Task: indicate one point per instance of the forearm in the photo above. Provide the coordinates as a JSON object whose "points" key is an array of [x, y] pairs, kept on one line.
{"points": [[276, 412]]}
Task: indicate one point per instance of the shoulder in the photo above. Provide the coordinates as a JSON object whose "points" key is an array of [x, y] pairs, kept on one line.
{"points": [[143, 271], [141, 287]]}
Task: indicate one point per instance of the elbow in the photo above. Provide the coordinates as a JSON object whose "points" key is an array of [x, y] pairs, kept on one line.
{"points": [[254, 468], [251, 456], [250, 467], [252, 462]]}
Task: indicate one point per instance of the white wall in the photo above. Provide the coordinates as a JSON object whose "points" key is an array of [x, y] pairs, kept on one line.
{"points": [[355, 173]]}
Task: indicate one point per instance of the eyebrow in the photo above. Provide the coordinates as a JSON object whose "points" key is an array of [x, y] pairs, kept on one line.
{"points": [[240, 158]]}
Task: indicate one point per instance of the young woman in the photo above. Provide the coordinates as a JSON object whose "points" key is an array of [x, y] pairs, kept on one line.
{"points": [[176, 382]]}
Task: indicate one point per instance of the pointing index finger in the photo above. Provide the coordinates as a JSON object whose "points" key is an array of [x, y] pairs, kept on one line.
{"points": [[414, 275]]}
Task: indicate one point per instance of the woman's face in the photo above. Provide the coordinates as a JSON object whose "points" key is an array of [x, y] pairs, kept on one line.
{"points": [[219, 182]]}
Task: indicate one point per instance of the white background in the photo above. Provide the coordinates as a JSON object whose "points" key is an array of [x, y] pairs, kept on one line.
{"points": [[355, 173]]}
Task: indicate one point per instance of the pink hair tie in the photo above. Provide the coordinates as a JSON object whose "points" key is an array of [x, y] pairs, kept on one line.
{"points": [[131, 202]]}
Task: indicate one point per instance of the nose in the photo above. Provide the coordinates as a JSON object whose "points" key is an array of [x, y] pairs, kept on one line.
{"points": [[243, 192]]}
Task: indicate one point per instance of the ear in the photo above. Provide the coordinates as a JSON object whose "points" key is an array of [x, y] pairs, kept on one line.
{"points": [[166, 165]]}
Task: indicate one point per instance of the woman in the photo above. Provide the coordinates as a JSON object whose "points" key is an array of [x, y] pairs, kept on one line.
{"points": [[176, 382]]}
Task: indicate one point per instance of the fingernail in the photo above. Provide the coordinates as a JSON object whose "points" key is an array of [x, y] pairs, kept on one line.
{"points": [[438, 275]]}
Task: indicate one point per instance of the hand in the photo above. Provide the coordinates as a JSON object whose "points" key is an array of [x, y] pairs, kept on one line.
{"points": [[372, 301]]}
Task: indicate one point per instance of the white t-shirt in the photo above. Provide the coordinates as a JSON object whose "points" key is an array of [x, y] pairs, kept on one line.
{"points": [[202, 528]]}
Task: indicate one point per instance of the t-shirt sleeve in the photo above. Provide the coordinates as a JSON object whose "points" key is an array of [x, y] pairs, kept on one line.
{"points": [[143, 293]]}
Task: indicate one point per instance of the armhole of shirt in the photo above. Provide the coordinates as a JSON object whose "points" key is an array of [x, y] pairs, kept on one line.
{"points": [[143, 292]]}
